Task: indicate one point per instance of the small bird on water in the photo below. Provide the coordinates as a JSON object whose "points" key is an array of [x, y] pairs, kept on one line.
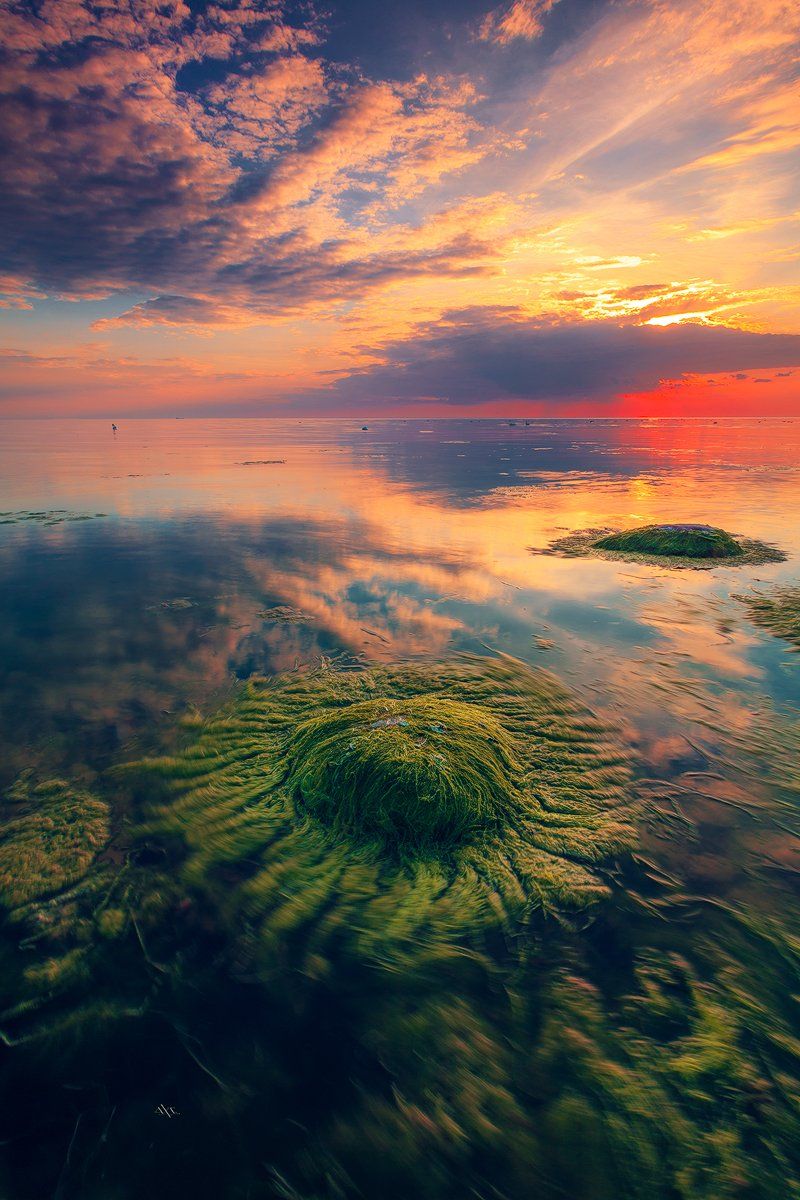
{"points": [[113, 426]]}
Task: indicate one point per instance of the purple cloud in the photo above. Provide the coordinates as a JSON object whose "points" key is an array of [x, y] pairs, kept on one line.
{"points": [[478, 356]]}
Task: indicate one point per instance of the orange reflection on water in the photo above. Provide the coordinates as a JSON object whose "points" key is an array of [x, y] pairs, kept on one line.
{"points": [[386, 544]]}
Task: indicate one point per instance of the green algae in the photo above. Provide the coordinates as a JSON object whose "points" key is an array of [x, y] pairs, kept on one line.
{"points": [[52, 844], [112, 922], [354, 997], [676, 1077], [392, 817], [483, 785], [178, 604], [674, 541], [423, 773], [687, 547], [777, 610], [52, 516]]}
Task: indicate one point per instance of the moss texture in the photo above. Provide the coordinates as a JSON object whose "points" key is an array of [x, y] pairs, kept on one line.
{"points": [[688, 547], [674, 541], [777, 610], [52, 843], [390, 933], [483, 785], [424, 775]]}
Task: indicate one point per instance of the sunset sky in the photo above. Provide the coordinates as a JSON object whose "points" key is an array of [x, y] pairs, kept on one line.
{"points": [[438, 207]]}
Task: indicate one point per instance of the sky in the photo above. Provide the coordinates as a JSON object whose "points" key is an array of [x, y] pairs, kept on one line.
{"points": [[412, 207]]}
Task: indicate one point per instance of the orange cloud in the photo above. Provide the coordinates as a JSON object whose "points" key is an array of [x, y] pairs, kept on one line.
{"points": [[522, 19], [221, 177]]}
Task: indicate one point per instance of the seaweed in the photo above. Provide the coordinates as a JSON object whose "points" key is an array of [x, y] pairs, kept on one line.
{"points": [[482, 781], [674, 541], [52, 516], [284, 614], [388, 933], [52, 844], [676, 546], [777, 610]]}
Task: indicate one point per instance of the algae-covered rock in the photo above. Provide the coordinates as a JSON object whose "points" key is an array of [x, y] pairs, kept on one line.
{"points": [[674, 541], [482, 785], [284, 614], [687, 546], [322, 889], [418, 773]]}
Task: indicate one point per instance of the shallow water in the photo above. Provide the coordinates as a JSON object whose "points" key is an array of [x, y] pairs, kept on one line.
{"points": [[146, 573], [412, 538]]}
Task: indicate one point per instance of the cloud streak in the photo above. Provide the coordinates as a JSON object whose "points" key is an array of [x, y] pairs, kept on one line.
{"points": [[477, 357]]}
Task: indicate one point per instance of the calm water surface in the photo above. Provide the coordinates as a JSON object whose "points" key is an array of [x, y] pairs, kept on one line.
{"points": [[407, 539]]}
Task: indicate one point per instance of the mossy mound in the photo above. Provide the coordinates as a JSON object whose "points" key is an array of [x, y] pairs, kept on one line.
{"points": [[674, 541], [306, 937], [364, 817], [481, 783], [693, 547], [421, 773], [777, 610], [52, 844]]}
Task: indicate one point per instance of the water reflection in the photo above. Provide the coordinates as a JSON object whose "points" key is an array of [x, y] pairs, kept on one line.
{"points": [[237, 549], [387, 543]]}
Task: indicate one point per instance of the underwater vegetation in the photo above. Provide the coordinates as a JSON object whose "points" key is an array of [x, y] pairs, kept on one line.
{"points": [[777, 610], [284, 614], [51, 842], [178, 604], [388, 933], [458, 791], [50, 516], [676, 545]]}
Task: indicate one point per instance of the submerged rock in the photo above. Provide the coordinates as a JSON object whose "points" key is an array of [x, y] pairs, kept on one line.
{"points": [[420, 773], [486, 780], [326, 822], [697, 547], [680, 541]]}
